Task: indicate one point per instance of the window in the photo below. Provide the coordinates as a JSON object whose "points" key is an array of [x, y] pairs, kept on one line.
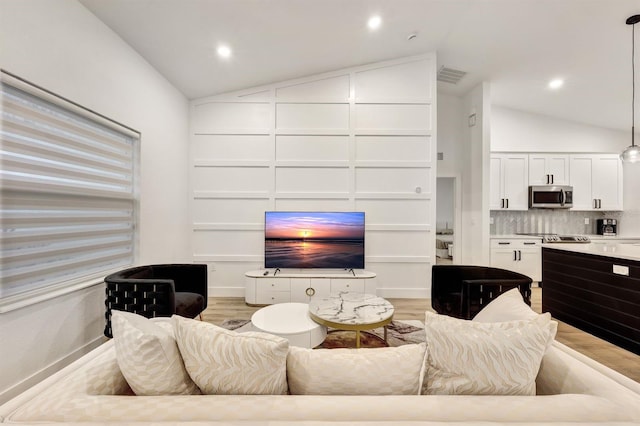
{"points": [[68, 195]]}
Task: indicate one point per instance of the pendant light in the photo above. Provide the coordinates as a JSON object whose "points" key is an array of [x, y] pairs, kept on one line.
{"points": [[632, 153]]}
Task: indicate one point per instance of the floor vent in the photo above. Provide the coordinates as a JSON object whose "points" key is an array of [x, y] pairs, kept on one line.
{"points": [[449, 75]]}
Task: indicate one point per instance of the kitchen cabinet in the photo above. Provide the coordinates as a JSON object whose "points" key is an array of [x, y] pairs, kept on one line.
{"points": [[518, 255], [596, 181], [509, 181], [548, 169]]}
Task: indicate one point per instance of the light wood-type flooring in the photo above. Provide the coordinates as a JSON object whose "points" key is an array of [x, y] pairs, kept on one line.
{"points": [[623, 361]]}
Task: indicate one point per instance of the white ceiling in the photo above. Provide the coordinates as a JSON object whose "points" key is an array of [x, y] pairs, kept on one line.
{"points": [[516, 45]]}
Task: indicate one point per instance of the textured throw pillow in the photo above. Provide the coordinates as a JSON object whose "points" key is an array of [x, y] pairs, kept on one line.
{"points": [[148, 356], [380, 371], [510, 306], [474, 358], [225, 362]]}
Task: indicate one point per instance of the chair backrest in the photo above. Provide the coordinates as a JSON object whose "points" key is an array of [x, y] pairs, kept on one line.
{"points": [[149, 298], [461, 291], [150, 290]]}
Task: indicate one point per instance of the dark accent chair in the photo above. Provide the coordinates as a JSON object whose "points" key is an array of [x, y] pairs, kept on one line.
{"points": [[157, 291], [461, 291]]}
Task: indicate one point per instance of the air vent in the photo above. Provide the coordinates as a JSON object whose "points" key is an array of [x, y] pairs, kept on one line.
{"points": [[449, 75]]}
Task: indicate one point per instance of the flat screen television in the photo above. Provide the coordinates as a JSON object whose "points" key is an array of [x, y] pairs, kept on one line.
{"points": [[324, 240]]}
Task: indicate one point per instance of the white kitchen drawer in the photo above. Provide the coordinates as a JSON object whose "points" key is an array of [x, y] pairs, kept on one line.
{"points": [[513, 242]]}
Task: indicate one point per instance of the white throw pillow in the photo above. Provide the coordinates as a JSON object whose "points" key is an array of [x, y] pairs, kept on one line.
{"points": [[510, 306], [225, 362], [473, 358], [148, 357], [380, 371]]}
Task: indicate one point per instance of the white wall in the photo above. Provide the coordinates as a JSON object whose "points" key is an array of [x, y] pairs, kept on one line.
{"points": [[475, 179], [61, 46], [451, 133], [518, 131], [358, 139]]}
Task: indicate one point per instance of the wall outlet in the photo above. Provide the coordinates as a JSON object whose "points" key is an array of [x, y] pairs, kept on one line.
{"points": [[621, 270], [586, 220]]}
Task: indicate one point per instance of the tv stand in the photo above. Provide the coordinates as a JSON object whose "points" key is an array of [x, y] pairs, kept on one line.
{"points": [[264, 287]]}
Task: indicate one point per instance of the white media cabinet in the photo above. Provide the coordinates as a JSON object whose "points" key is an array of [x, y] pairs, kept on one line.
{"points": [[262, 287]]}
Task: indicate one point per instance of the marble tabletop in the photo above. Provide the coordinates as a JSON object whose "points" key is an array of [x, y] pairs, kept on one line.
{"points": [[350, 308]]}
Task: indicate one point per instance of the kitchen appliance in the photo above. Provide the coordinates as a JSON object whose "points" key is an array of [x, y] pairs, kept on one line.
{"points": [[555, 238], [550, 196], [607, 227]]}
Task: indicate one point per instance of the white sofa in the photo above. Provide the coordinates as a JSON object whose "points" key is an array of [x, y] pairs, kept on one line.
{"points": [[570, 388]]}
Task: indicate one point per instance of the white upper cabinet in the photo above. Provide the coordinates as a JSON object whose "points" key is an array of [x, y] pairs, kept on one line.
{"points": [[596, 181], [548, 169], [509, 181]]}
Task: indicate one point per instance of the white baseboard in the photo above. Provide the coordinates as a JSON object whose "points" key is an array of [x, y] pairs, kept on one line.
{"points": [[37, 377], [400, 293]]}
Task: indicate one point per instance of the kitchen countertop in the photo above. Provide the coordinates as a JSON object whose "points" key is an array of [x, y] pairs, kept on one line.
{"points": [[516, 237], [624, 250], [592, 237]]}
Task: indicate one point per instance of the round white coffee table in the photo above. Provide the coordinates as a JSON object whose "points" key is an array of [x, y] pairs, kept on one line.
{"points": [[291, 321], [352, 311]]}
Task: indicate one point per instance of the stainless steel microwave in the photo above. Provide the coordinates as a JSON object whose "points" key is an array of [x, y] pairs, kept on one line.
{"points": [[550, 196]]}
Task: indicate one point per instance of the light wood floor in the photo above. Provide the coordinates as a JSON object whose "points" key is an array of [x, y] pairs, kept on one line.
{"points": [[623, 361]]}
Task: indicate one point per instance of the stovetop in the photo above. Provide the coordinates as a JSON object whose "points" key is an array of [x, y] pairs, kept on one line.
{"points": [[555, 238]]}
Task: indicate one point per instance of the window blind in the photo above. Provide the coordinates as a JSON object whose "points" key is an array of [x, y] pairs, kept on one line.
{"points": [[68, 194]]}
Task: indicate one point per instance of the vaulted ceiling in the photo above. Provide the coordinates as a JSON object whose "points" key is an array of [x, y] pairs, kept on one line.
{"points": [[516, 45]]}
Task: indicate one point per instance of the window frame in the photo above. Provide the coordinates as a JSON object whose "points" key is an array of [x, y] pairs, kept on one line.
{"points": [[67, 286]]}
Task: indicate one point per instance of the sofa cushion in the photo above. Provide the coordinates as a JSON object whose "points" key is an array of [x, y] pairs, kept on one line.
{"points": [[473, 358], [510, 306], [225, 362], [148, 357], [379, 371]]}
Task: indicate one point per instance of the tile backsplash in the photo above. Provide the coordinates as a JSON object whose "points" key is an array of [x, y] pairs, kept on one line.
{"points": [[559, 221]]}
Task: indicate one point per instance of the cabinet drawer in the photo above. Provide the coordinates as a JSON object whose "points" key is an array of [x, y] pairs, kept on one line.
{"points": [[274, 284], [508, 243], [274, 297], [338, 285]]}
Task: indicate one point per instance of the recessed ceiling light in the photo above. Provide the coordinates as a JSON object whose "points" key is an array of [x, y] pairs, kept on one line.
{"points": [[224, 51], [556, 83], [374, 22]]}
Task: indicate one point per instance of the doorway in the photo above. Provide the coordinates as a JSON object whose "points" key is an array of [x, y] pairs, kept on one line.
{"points": [[447, 220]]}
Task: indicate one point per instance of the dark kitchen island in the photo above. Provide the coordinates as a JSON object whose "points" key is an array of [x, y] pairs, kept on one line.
{"points": [[596, 288]]}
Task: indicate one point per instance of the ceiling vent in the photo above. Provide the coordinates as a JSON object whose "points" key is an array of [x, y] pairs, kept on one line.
{"points": [[449, 75]]}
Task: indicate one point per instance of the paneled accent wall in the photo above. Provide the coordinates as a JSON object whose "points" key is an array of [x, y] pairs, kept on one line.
{"points": [[360, 139]]}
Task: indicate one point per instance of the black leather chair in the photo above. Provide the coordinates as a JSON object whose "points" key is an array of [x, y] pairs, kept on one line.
{"points": [[157, 291], [461, 291]]}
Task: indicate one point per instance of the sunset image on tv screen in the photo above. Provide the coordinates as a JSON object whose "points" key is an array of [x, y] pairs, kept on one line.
{"points": [[314, 240]]}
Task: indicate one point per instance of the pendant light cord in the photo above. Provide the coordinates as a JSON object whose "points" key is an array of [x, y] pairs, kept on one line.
{"points": [[633, 84]]}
